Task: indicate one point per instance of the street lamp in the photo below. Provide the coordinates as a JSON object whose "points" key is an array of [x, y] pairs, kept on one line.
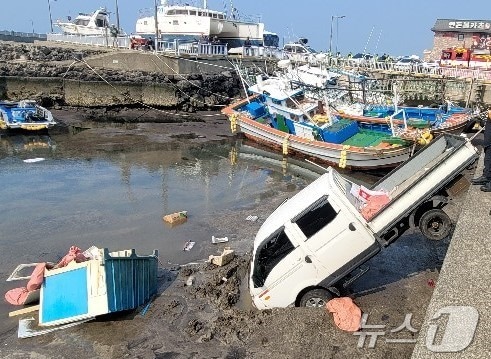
{"points": [[50, 18], [330, 36]]}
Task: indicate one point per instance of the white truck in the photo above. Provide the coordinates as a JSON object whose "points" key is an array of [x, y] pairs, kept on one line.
{"points": [[316, 242]]}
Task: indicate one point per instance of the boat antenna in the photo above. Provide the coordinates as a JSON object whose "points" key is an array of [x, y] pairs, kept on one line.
{"points": [[205, 4], [369, 37], [378, 40]]}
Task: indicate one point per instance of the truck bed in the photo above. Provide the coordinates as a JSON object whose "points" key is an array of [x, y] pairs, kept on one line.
{"points": [[414, 181], [419, 178]]}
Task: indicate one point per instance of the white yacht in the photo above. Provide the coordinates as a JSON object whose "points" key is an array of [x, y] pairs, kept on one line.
{"points": [[95, 23], [185, 22]]}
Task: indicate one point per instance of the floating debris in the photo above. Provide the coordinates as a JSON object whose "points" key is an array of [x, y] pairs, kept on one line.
{"points": [[176, 218], [188, 245], [34, 160], [216, 240]]}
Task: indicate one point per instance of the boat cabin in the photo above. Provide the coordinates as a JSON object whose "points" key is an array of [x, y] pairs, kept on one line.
{"points": [[190, 11]]}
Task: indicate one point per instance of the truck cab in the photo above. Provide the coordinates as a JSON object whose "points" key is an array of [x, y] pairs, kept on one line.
{"points": [[310, 240]]}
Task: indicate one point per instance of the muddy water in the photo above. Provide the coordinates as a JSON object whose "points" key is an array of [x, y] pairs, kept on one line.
{"points": [[117, 199]]}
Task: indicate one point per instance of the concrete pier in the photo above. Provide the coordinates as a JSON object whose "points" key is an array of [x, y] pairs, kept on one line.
{"points": [[462, 296]]}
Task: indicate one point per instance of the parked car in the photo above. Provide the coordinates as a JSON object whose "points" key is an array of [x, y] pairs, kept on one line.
{"points": [[360, 58], [407, 64]]}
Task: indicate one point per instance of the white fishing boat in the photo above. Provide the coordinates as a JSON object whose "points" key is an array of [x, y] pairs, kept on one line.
{"points": [[194, 23], [94, 24]]}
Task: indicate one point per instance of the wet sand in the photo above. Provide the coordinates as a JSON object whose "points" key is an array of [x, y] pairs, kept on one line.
{"points": [[212, 318]]}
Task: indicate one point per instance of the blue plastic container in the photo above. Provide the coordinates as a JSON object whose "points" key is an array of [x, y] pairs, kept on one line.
{"points": [[340, 131]]}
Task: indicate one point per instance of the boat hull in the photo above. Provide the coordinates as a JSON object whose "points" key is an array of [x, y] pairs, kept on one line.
{"points": [[329, 153]]}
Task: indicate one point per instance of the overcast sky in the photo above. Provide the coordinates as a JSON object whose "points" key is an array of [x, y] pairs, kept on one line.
{"points": [[398, 27]]}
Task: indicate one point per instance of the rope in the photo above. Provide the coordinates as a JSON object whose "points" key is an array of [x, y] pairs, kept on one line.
{"points": [[190, 82], [140, 102]]}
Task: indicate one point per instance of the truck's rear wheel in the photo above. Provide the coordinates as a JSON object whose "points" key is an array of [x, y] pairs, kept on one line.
{"points": [[435, 224], [316, 298]]}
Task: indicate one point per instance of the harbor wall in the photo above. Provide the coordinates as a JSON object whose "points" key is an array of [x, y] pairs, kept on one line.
{"points": [[88, 93], [131, 60], [85, 93]]}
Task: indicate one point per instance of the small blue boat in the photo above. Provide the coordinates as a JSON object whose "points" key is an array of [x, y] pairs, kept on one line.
{"points": [[25, 115]]}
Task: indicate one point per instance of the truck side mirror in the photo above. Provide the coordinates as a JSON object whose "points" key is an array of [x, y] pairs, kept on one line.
{"points": [[352, 227], [308, 259]]}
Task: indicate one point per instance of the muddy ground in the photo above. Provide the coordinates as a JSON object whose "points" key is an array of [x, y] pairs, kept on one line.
{"points": [[213, 318]]}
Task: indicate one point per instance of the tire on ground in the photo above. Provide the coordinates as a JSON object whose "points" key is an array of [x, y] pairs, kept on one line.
{"points": [[435, 224], [316, 298]]}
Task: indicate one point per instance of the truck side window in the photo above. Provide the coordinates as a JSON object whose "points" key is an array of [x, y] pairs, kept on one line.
{"points": [[271, 252], [315, 217]]}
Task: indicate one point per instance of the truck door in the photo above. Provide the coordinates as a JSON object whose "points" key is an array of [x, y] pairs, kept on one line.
{"points": [[333, 235], [281, 270]]}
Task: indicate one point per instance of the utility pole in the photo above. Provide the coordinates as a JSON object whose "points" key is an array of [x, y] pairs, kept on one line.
{"points": [[156, 45]]}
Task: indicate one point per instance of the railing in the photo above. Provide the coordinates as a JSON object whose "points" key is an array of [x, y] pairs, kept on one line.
{"points": [[104, 41], [24, 34], [414, 69]]}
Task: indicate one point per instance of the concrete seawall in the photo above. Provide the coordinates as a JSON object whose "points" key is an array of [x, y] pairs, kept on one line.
{"points": [[461, 299], [89, 93]]}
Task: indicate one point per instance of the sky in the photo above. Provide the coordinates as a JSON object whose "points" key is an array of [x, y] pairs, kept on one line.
{"points": [[396, 27]]}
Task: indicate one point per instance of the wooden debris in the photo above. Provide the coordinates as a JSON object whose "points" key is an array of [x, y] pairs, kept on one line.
{"points": [[24, 310]]}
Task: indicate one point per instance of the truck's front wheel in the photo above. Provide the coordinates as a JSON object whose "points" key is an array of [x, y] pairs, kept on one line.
{"points": [[435, 224], [316, 298]]}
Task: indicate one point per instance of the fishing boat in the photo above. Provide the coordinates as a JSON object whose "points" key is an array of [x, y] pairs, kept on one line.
{"points": [[93, 24], [281, 116], [447, 118], [193, 23], [25, 115]]}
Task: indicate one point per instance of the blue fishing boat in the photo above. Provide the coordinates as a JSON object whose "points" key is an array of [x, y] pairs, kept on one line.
{"points": [[25, 115], [446, 118]]}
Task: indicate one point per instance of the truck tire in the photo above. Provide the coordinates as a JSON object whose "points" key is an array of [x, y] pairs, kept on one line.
{"points": [[435, 224], [316, 298]]}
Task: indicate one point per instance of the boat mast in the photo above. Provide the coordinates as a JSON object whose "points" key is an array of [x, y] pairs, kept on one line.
{"points": [[117, 17]]}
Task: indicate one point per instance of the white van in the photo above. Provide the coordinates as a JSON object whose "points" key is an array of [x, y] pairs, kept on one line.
{"points": [[317, 241]]}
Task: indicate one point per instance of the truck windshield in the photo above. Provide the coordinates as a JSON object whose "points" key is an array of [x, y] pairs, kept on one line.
{"points": [[269, 254]]}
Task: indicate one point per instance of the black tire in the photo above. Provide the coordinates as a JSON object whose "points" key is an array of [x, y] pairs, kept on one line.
{"points": [[316, 298], [435, 224]]}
